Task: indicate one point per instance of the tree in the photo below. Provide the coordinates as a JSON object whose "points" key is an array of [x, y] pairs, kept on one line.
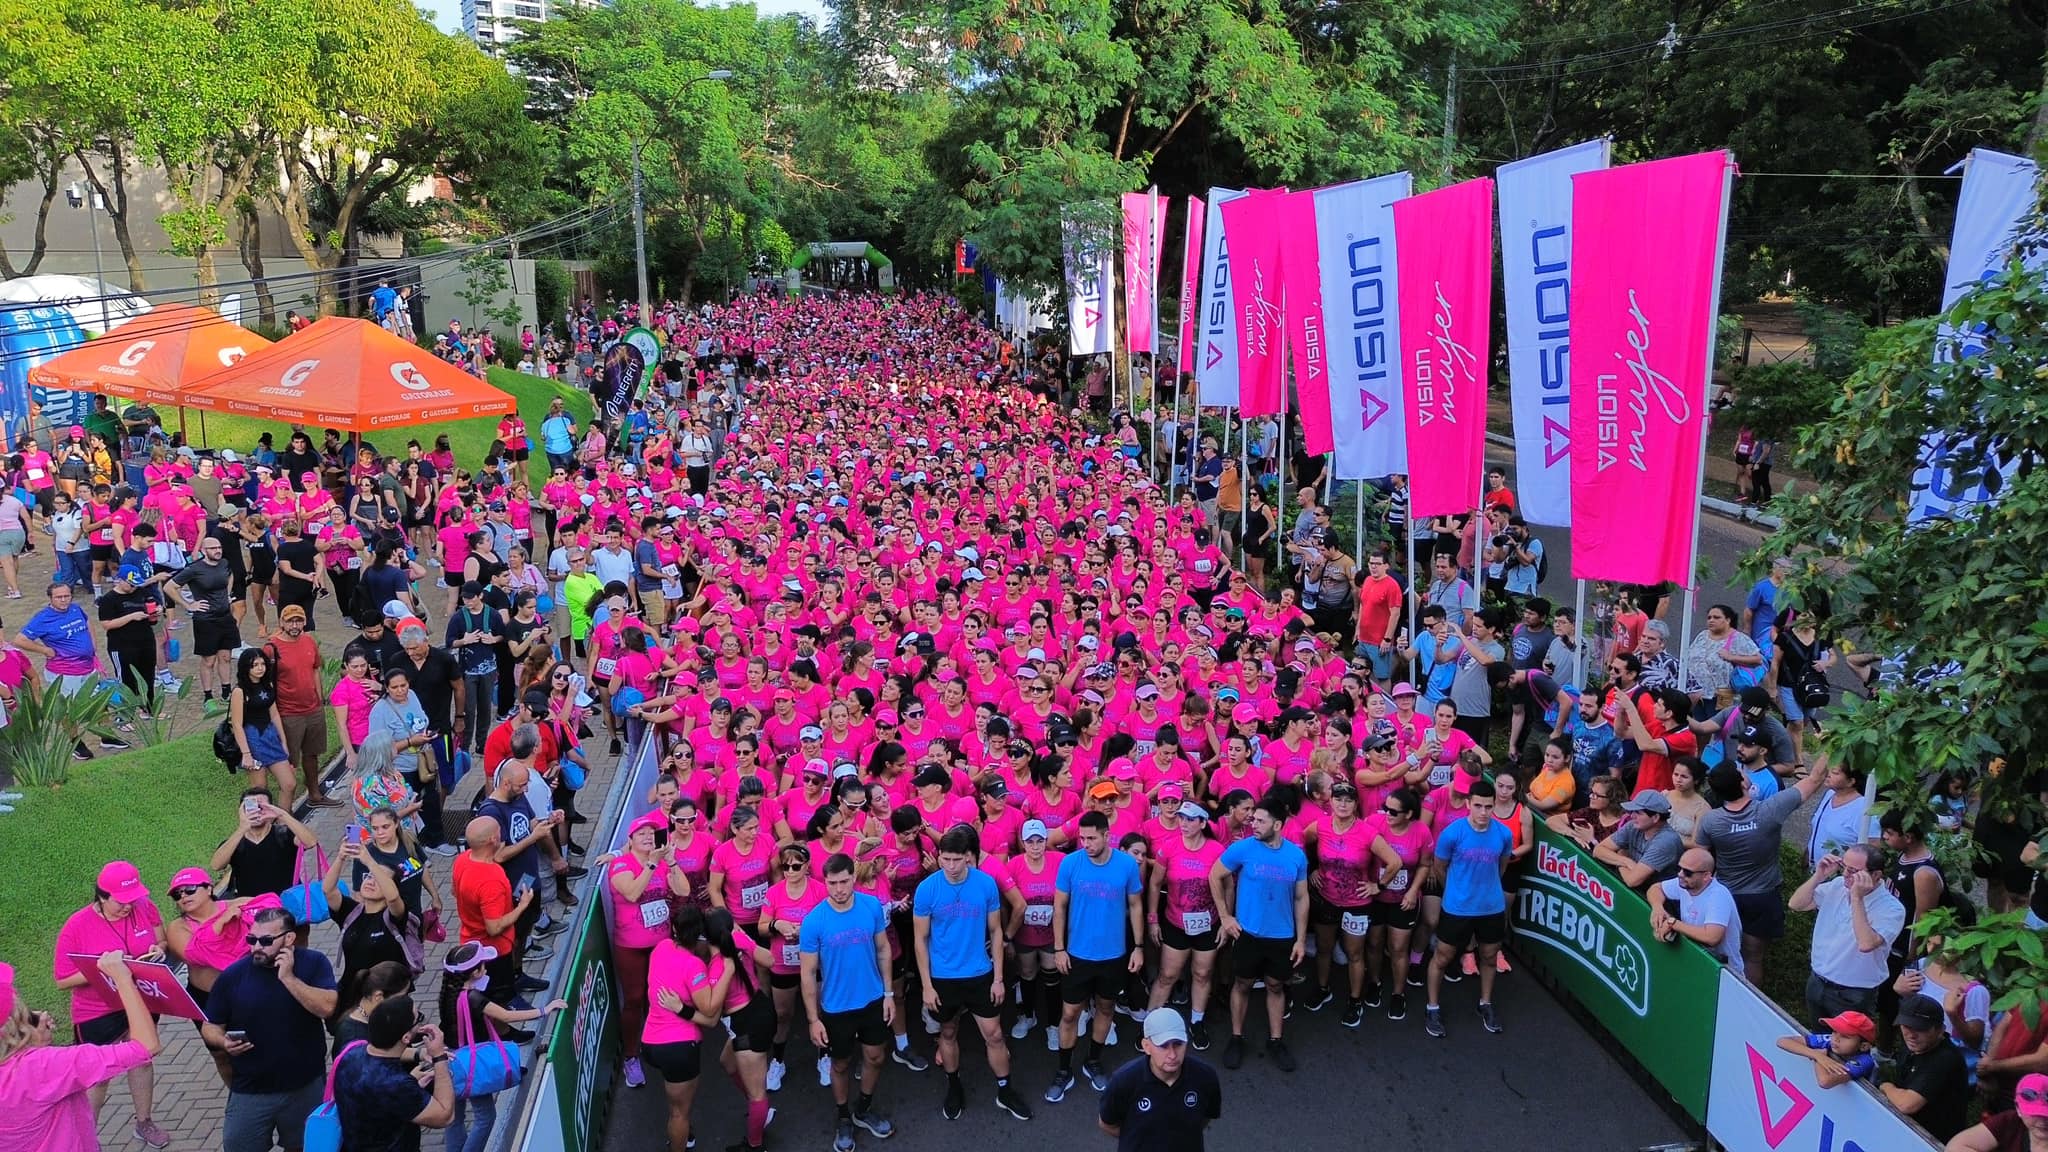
{"points": [[41, 57], [1961, 603]]}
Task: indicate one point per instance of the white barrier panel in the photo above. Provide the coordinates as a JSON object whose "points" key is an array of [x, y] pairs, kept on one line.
{"points": [[1766, 1100], [545, 1136]]}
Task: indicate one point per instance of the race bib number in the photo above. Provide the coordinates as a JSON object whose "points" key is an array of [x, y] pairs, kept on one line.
{"points": [[35, 474], [1399, 883], [792, 955], [654, 913], [605, 667], [1204, 565], [1354, 924], [754, 896], [1440, 775], [1197, 923], [1038, 915]]}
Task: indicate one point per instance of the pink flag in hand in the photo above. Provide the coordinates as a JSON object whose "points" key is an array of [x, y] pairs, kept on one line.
{"points": [[1646, 243], [1444, 241]]}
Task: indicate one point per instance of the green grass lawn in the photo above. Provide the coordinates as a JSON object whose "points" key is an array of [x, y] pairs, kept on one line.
{"points": [[163, 808], [470, 439]]}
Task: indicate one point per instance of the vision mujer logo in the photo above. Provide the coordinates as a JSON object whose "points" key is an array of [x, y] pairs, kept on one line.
{"points": [[1622, 423]]}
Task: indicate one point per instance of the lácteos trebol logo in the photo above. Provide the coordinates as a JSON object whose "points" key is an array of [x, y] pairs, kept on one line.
{"points": [[1571, 909]]}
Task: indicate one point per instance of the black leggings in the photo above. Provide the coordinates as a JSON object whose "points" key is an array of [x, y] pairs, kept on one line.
{"points": [[138, 671]]}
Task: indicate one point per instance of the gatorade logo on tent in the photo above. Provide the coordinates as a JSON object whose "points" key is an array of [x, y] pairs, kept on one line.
{"points": [[1764, 1077], [295, 376], [409, 377], [133, 354]]}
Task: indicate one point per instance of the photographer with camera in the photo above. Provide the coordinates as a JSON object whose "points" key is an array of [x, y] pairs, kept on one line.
{"points": [[1514, 557]]}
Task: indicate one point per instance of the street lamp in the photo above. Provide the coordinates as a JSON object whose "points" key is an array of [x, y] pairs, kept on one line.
{"points": [[78, 196], [640, 204]]}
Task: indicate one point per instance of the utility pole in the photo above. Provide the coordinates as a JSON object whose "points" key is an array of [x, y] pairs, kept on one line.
{"points": [[1451, 115], [640, 234]]}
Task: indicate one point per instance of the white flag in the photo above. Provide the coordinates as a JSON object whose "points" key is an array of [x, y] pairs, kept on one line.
{"points": [[1362, 322], [1216, 361], [1091, 276]]}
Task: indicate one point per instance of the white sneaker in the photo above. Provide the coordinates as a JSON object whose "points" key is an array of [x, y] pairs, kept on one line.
{"points": [[931, 1026], [775, 1074], [1052, 1037], [1022, 1027], [1111, 1038], [824, 1071]]}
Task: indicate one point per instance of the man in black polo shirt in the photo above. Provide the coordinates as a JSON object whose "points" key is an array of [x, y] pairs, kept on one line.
{"points": [[1931, 1081], [1163, 1101]]}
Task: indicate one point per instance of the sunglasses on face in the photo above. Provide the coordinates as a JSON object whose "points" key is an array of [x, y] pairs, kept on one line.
{"points": [[187, 890], [683, 821], [793, 866], [1688, 873], [255, 941]]}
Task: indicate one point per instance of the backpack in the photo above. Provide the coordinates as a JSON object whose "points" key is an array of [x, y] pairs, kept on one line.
{"points": [[1542, 562], [225, 749]]}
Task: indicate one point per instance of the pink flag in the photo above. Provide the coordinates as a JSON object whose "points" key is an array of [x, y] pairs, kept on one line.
{"points": [[1191, 284], [1141, 266], [1443, 241], [1307, 344], [1646, 270], [1253, 224]]}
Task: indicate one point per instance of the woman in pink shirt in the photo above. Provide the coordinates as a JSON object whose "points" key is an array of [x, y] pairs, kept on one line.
{"points": [[50, 1094], [790, 899], [639, 877], [740, 872], [683, 1000], [120, 920]]}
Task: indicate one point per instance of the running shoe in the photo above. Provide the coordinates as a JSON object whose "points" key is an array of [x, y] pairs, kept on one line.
{"points": [[1093, 1071], [1488, 1017], [1012, 1101], [1374, 994], [1354, 1014], [874, 1124], [1233, 1052], [1023, 1027], [1500, 962], [1062, 1083], [1198, 1035], [1397, 1006], [1468, 965], [909, 1059], [1109, 1041], [1433, 1021], [842, 1139], [152, 1134], [1276, 1051], [956, 1099], [635, 1076], [1414, 976], [107, 745], [931, 1024], [776, 1071], [1052, 1038], [1318, 998]]}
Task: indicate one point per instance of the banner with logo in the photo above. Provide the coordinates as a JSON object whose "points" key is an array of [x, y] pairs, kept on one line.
{"points": [[585, 1040], [1362, 320], [1646, 273], [160, 988], [1253, 224], [1763, 1099], [1445, 242], [1091, 275], [621, 367], [1998, 190], [1216, 367], [1301, 289], [1191, 282], [1588, 933], [1144, 232], [1536, 270]]}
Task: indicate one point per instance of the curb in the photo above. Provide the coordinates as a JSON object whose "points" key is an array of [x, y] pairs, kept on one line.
{"points": [[1725, 508]]}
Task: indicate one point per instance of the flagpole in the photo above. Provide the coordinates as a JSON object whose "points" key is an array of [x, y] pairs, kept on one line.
{"points": [[1151, 271], [1692, 557], [1579, 623], [1416, 585], [1244, 503], [1280, 476]]}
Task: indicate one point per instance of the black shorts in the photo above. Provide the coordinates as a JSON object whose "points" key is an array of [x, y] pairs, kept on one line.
{"points": [[1324, 914], [969, 994], [1458, 931], [1395, 917], [213, 637], [785, 980], [109, 1029], [262, 571], [678, 1062], [1265, 958], [1763, 914], [518, 455], [864, 1026], [1088, 980], [104, 553], [1179, 941], [753, 1027]]}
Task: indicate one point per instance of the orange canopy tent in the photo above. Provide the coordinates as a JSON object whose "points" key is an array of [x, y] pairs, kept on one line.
{"points": [[349, 375], [152, 357]]}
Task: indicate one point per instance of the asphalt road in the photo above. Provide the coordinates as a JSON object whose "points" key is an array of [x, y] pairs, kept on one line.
{"points": [[1542, 1082]]}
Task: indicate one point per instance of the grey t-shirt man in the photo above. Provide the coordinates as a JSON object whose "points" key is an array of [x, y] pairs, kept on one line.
{"points": [[1659, 852], [1745, 843], [1471, 691]]}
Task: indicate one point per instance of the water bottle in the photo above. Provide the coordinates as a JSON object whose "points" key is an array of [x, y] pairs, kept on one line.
{"points": [[173, 649]]}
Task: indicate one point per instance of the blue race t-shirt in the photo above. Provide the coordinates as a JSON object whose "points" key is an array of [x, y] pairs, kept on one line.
{"points": [[1265, 885], [1472, 882], [959, 916], [1763, 612], [1098, 917], [554, 435], [849, 977]]}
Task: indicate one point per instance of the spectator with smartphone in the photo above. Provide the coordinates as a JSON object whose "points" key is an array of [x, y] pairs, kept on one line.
{"points": [[396, 1083], [49, 1093], [264, 848], [485, 906], [268, 1011], [518, 852]]}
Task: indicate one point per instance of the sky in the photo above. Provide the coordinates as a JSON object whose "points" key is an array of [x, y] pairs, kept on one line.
{"points": [[447, 14]]}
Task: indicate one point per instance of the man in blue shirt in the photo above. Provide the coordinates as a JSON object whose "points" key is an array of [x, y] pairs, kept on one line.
{"points": [[957, 918], [844, 945], [1470, 854], [1098, 934], [267, 1012], [1260, 884], [1760, 611]]}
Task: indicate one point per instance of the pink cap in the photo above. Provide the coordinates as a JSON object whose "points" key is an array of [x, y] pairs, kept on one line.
{"points": [[6, 991], [1404, 688], [1121, 768], [191, 878], [123, 882], [885, 716], [655, 820], [1244, 713]]}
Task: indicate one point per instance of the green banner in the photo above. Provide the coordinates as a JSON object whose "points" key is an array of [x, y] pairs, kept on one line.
{"points": [[582, 1047], [1578, 924]]}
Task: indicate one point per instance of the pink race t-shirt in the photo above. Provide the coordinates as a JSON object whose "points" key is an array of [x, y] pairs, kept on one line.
{"points": [[746, 877], [48, 1109], [1190, 906], [677, 969], [88, 933], [642, 923]]}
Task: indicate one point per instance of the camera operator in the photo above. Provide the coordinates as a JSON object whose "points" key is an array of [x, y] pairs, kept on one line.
{"points": [[1514, 557]]}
